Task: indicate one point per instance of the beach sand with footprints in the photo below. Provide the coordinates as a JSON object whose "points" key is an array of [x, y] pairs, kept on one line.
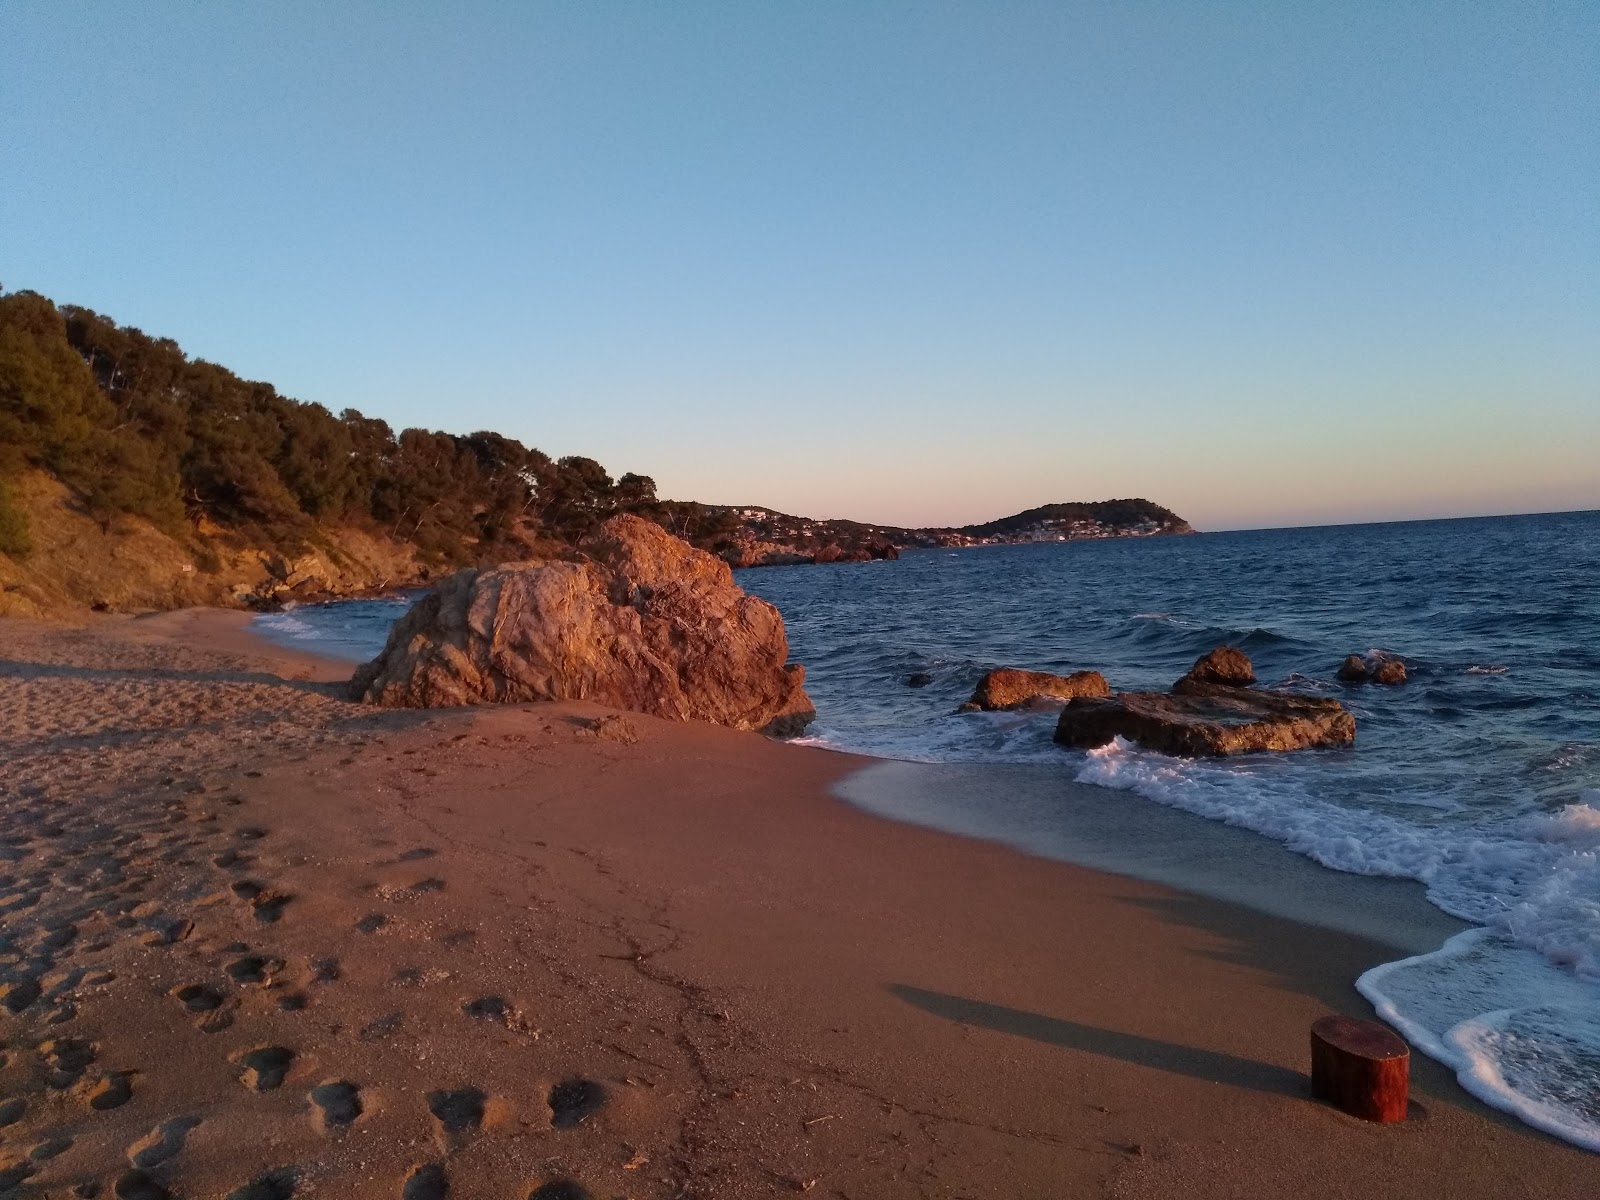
{"points": [[257, 942]]}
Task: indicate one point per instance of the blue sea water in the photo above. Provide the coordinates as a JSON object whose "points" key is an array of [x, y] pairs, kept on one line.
{"points": [[1480, 777]]}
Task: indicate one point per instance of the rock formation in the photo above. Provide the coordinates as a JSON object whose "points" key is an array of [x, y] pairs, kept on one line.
{"points": [[1011, 688], [1390, 671], [646, 623], [1353, 670], [1207, 720], [1225, 666], [1212, 711]]}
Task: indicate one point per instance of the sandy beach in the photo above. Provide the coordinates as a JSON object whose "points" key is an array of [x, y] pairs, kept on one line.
{"points": [[260, 942]]}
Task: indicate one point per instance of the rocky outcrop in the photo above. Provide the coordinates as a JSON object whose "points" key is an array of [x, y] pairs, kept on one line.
{"points": [[1226, 666], [1011, 688], [126, 564], [1389, 671], [646, 623], [1354, 669], [1211, 712], [1207, 720], [747, 551]]}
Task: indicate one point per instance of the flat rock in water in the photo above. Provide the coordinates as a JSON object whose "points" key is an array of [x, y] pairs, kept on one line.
{"points": [[648, 624], [1010, 688], [1207, 721]]}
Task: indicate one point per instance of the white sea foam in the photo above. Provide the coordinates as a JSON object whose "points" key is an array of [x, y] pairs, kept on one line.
{"points": [[1521, 1035], [286, 625], [1513, 1007]]}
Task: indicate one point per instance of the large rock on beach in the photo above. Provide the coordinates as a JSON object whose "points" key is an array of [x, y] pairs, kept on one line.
{"points": [[646, 623], [1008, 687], [1226, 666], [1207, 721]]}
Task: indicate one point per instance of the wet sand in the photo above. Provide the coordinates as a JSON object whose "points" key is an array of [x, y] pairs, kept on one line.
{"points": [[259, 942]]}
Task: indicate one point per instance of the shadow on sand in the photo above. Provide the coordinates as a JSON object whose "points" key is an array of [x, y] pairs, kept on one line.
{"points": [[1208, 1065]]}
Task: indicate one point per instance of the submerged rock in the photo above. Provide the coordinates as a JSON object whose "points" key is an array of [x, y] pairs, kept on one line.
{"points": [[1390, 671], [1008, 687], [1225, 666], [1207, 720], [1356, 669], [1353, 670], [918, 679], [648, 623]]}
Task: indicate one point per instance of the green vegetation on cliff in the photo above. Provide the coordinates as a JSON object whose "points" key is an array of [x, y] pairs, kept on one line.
{"points": [[135, 427]]}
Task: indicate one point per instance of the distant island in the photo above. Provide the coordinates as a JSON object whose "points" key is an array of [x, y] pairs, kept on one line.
{"points": [[134, 478], [764, 537]]}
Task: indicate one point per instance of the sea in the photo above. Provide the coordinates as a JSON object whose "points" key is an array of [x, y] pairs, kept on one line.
{"points": [[1479, 778]]}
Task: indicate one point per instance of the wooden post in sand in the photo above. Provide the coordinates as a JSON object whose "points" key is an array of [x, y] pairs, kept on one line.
{"points": [[1361, 1067]]}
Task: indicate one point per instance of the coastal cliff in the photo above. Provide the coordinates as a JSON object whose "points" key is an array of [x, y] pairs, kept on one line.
{"points": [[133, 478]]}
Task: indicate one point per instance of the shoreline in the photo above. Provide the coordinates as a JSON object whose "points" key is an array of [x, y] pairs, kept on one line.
{"points": [[771, 990]]}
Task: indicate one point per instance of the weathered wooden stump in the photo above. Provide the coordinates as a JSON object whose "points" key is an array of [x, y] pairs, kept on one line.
{"points": [[1361, 1067]]}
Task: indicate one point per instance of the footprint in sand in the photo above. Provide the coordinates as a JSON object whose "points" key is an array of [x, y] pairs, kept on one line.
{"points": [[166, 931], [18, 994], [14, 1171], [337, 1104], [457, 1114], [274, 1185], [266, 903], [254, 969], [137, 1185], [417, 855], [381, 1027], [574, 1101], [559, 1189], [50, 1148], [210, 1005], [488, 1008], [426, 1183], [11, 1111], [265, 1067], [197, 997], [111, 1091], [161, 1143], [67, 1060]]}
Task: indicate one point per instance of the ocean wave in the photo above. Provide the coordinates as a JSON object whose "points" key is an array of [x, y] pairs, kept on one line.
{"points": [[1521, 1036], [285, 625]]}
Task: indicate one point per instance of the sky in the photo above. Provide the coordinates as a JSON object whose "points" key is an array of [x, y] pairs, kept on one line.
{"points": [[914, 263]]}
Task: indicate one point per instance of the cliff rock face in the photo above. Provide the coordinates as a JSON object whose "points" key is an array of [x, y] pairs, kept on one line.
{"points": [[1207, 720], [128, 565], [647, 623], [1010, 688]]}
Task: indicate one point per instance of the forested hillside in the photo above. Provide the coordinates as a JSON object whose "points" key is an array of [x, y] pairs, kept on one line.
{"points": [[134, 427], [133, 477]]}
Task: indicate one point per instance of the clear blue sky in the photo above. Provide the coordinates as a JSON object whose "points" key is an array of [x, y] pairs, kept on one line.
{"points": [[1266, 263]]}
